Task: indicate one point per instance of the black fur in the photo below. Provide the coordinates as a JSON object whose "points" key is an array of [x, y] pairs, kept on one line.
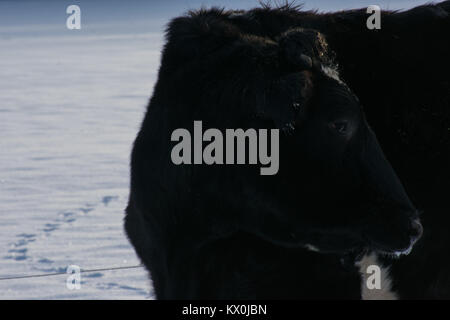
{"points": [[227, 232]]}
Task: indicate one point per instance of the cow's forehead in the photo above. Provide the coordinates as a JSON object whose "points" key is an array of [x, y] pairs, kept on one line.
{"points": [[335, 92]]}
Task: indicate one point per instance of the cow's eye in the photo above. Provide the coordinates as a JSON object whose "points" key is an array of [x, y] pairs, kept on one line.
{"points": [[339, 126]]}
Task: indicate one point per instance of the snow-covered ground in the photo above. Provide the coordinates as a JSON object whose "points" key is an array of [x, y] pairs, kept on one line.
{"points": [[70, 108], [71, 102]]}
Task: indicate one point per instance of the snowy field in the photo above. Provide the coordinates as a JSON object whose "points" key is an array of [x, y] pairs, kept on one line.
{"points": [[71, 102]]}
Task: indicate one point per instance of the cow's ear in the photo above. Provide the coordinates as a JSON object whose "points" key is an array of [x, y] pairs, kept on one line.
{"points": [[301, 52], [300, 47], [287, 99]]}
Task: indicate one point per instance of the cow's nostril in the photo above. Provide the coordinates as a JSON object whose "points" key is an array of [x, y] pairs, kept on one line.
{"points": [[417, 229]]}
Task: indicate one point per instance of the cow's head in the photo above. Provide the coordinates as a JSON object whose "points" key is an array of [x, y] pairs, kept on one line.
{"points": [[335, 190]]}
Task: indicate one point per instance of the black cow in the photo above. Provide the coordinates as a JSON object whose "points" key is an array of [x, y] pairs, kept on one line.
{"points": [[210, 231]]}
